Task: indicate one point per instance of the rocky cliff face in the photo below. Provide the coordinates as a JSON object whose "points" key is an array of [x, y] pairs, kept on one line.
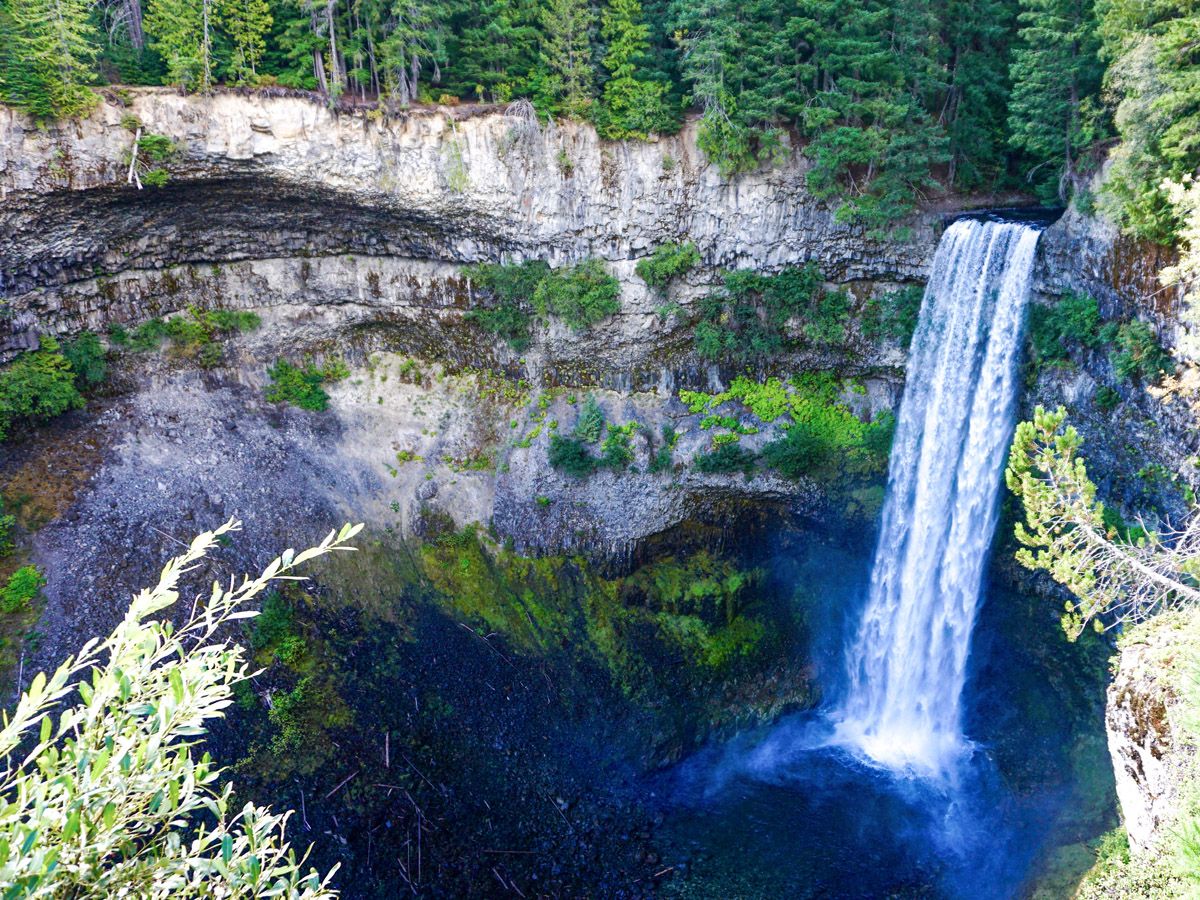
{"points": [[1153, 758], [278, 202], [347, 234]]}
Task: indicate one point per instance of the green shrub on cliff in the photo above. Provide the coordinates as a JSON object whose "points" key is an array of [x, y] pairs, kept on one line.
{"points": [[750, 316], [581, 295], [571, 455], [1073, 319], [725, 460], [590, 424], [667, 262], [302, 385], [511, 288], [37, 386], [1138, 354], [22, 589], [88, 360], [893, 314]]}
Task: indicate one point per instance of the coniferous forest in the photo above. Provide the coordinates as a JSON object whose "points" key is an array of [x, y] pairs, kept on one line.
{"points": [[890, 99]]}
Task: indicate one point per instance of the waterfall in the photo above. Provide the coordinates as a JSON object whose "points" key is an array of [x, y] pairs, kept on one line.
{"points": [[906, 662]]}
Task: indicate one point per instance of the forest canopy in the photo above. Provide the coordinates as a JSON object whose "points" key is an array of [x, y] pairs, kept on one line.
{"points": [[888, 99]]}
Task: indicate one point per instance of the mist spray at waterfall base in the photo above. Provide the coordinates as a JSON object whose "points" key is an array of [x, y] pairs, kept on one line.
{"points": [[892, 798]]}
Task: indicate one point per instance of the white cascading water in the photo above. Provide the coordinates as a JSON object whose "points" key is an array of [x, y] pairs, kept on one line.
{"points": [[907, 661]]}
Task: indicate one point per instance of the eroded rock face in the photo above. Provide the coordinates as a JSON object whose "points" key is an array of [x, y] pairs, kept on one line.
{"points": [[1151, 760], [281, 203]]}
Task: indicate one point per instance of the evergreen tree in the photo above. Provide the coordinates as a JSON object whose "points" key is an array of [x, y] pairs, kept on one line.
{"points": [[714, 37], [247, 23], [633, 106], [295, 51], [976, 37], [1056, 74], [181, 31], [566, 85], [413, 41], [497, 50], [46, 52], [1154, 54]]}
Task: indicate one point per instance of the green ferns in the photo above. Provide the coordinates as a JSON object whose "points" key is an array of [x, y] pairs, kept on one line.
{"points": [[823, 437]]}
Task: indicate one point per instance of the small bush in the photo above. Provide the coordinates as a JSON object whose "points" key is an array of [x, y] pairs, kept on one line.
{"points": [[725, 459], [661, 460], [616, 452], [302, 385], [118, 336], [190, 330], [581, 296], [1138, 353], [37, 386], [508, 321], [1107, 399], [274, 623], [87, 359], [667, 262], [22, 588], [148, 336], [511, 287], [801, 451], [590, 424], [748, 318], [1074, 319], [571, 456]]}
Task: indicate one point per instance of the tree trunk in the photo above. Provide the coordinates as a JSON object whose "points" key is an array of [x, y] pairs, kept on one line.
{"points": [[133, 15]]}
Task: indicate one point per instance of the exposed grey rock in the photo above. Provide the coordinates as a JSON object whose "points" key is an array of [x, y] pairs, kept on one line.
{"points": [[1152, 764]]}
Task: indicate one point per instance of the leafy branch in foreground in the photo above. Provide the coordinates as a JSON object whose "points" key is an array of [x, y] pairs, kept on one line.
{"points": [[1064, 534], [110, 800]]}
